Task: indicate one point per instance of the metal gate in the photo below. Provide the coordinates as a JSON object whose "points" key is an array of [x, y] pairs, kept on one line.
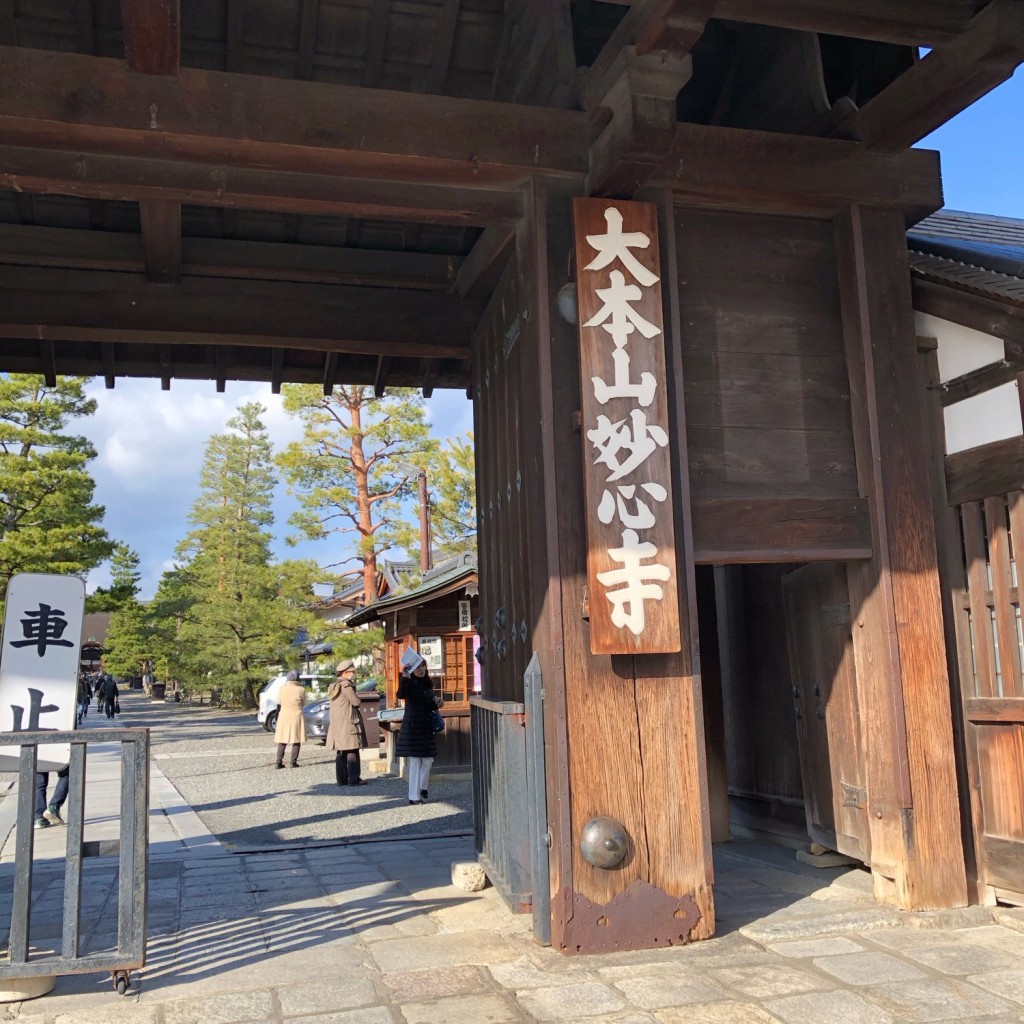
{"points": [[133, 863], [509, 800]]}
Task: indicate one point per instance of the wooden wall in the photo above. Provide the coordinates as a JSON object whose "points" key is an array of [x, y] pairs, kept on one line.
{"points": [[771, 454]]}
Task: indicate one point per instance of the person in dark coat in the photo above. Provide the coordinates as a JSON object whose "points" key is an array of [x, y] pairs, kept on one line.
{"points": [[416, 740], [108, 694]]}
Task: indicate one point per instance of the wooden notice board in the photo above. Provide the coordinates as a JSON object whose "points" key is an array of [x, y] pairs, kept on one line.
{"points": [[631, 562]]}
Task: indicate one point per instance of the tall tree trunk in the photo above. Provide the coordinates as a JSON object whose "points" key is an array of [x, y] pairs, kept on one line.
{"points": [[359, 469]]}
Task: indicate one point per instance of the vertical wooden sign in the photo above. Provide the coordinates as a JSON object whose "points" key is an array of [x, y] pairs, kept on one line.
{"points": [[634, 607]]}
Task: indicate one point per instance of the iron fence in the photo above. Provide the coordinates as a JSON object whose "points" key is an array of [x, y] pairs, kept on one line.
{"points": [[133, 866]]}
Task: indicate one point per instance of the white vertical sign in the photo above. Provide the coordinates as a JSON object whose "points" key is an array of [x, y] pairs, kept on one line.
{"points": [[39, 662], [465, 617]]}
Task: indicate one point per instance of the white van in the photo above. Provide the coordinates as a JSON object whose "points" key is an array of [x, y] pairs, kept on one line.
{"points": [[266, 714]]}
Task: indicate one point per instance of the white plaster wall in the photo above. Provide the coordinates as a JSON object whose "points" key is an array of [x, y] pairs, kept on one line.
{"points": [[992, 416]]}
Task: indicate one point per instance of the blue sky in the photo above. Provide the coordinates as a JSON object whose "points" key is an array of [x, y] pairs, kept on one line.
{"points": [[150, 442]]}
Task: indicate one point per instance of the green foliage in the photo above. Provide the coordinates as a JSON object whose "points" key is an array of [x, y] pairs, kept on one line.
{"points": [[345, 471], [48, 522], [128, 640], [453, 498], [233, 611], [124, 582], [173, 659]]}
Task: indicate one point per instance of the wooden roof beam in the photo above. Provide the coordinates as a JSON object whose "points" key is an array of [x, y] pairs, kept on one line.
{"points": [[67, 101], [77, 305], [946, 81], [741, 169], [276, 370], [36, 246], [907, 22], [48, 359], [112, 176]]}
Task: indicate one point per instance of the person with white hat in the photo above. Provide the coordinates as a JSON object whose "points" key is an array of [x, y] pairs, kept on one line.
{"points": [[416, 741]]}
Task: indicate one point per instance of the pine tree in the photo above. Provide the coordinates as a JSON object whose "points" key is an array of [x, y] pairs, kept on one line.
{"points": [[453, 498], [244, 610], [346, 473], [48, 522], [128, 642], [124, 582]]}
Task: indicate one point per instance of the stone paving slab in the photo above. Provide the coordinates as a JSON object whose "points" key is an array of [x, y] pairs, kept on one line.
{"points": [[373, 933]]}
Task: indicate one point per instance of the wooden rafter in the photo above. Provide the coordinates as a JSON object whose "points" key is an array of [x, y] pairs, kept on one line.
{"points": [[276, 370], [483, 266], [330, 375], [946, 81], [430, 376], [151, 36], [8, 31], [307, 39], [75, 305], [537, 63], [380, 380], [152, 43], [84, 26], [975, 311], [444, 40], [109, 365], [48, 359], [376, 41], [161, 238], [234, 54], [196, 362], [30, 245], [280, 124], [220, 362]]}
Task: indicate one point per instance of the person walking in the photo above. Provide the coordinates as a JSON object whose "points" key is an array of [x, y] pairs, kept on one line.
{"points": [[416, 740], [108, 694], [346, 735], [48, 814], [291, 726], [84, 698]]}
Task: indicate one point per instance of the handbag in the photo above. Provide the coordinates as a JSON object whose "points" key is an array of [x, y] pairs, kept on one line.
{"points": [[117, 706], [437, 721]]}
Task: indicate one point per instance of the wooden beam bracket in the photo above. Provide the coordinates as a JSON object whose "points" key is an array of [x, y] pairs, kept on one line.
{"points": [[640, 92]]}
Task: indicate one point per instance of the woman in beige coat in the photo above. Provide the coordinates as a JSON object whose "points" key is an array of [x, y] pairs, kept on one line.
{"points": [[346, 734], [291, 726]]}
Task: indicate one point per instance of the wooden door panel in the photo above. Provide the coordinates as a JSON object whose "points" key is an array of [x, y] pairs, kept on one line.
{"points": [[825, 703], [992, 686]]}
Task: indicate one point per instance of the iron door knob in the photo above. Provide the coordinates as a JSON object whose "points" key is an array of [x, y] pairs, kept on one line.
{"points": [[604, 842]]}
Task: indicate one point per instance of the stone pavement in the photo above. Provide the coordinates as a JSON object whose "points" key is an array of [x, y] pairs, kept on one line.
{"points": [[373, 933]]}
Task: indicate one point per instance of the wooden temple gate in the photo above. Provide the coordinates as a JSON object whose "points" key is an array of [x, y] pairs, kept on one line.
{"points": [[426, 240]]}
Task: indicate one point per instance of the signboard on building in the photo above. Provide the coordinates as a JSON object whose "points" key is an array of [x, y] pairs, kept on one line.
{"points": [[432, 652], [465, 617], [634, 607], [39, 661]]}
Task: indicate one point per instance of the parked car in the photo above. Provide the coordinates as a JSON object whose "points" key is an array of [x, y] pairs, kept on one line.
{"points": [[266, 713], [318, 713]]}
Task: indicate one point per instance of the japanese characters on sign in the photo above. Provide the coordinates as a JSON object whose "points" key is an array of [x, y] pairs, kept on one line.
{"points": [[627, 463], [432, 651], [39, 661]]}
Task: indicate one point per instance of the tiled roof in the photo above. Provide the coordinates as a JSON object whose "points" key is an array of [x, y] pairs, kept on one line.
{"points": [[974, 252], [439, 578]]}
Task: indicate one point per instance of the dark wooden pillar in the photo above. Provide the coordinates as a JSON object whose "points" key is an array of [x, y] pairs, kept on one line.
{"points": [[916, 853], [624, 735]]}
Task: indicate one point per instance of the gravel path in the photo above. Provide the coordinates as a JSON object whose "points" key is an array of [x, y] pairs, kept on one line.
{"points": [[222, 763]]}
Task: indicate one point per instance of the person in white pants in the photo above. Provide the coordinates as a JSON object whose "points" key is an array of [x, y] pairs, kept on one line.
{"points": [[416, 741]]}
